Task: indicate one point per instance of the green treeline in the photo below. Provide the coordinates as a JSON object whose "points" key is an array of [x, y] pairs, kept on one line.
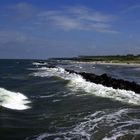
{"points": [[113, 58], [129, 58]]}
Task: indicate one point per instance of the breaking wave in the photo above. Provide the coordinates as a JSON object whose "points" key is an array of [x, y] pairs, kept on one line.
{"points": [[13, 100], [77, 82], [39, 63], [99, 125]]}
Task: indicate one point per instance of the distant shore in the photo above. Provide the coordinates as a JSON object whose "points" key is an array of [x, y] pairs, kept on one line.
{"points": [[124, 60], [107, 63]]}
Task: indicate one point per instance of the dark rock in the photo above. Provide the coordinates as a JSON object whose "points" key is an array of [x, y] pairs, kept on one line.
{"points": [[108, 81]]}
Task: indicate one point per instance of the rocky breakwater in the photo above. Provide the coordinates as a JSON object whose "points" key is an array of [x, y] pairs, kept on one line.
{"points": [[108, 81]]}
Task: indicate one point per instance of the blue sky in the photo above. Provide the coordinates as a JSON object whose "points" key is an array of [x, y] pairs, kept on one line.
{"points": [[65, 28]]}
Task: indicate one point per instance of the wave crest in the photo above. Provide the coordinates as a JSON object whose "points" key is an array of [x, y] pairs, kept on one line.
{"points": [[13, 100], [77, 82]]}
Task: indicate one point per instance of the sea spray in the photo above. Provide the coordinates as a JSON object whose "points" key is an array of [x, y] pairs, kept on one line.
{"points": [[77, 82], [13, 100]]}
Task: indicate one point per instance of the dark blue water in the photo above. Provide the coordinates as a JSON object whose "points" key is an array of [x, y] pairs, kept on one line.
{"points": [[64, 107]]}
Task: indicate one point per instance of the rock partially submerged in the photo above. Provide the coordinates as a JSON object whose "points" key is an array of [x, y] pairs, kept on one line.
{"points": [[108, 81]]}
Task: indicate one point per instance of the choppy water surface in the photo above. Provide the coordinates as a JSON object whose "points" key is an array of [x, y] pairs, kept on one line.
{"points": [[42, 103]]}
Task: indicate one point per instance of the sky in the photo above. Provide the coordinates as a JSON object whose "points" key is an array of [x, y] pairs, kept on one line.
{"points": [[41, 29]]}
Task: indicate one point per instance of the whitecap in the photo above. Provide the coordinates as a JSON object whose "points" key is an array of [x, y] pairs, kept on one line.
{"points": [[41, 68], [39, 63], [13, 100], [57, 100], [77, 82]]}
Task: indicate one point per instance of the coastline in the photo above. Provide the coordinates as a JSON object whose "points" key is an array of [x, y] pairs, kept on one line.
{"points": [[107, 63]]}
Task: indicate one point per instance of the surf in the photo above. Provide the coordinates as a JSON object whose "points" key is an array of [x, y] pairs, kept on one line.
{"points": [[77, 82], [117, 123], [13, 100]]}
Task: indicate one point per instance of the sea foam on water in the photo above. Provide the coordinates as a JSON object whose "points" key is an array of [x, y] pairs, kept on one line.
{"points": [[77, 82], [13, 100]]}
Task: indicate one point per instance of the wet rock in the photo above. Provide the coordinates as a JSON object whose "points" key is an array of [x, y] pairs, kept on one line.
{"points": [[108, 81]]}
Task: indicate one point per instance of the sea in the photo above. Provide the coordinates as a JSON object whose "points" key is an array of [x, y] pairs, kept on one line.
{"points": [[40, 100]]}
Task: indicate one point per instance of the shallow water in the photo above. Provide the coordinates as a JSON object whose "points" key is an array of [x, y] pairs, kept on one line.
{"points": [[63, 106]]}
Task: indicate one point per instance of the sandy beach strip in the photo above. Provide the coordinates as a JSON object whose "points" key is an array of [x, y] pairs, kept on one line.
{"points": [[107, 63]]}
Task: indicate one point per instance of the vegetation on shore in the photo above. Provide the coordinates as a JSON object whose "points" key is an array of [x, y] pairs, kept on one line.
{"points": [[130, 58]]}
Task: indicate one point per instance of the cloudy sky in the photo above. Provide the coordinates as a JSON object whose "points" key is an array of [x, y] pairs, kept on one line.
{"points": [[65, 28]]}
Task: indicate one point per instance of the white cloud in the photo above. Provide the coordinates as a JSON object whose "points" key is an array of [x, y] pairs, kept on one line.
{"points": [[78, 18], [9, 36], [131, 8], [88, 14], [12, 37], [22, 7], [20, 11], [67, 18]]}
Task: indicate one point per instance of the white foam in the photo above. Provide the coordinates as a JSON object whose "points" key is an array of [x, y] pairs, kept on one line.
{"points": [[39, 63], [117, 125], [77, 82], [56, 100], [13, 100], [125, 127], [42, 68]]}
